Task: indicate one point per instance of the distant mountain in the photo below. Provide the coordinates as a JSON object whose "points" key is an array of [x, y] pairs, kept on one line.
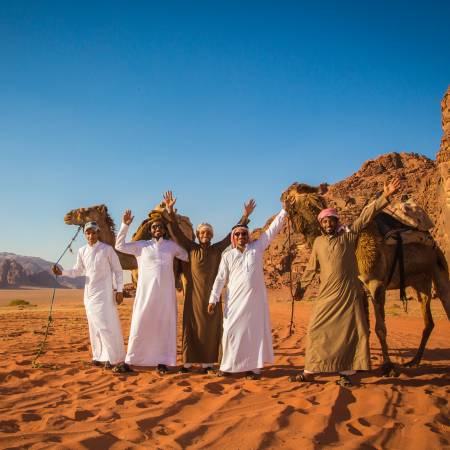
{"points": [[17, 271]]}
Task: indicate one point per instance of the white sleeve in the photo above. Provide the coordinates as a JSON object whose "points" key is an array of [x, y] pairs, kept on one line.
{"points": [[116, 269], [274, 228], [220, 281], [78, 270], [180, 252], [131, 248]]}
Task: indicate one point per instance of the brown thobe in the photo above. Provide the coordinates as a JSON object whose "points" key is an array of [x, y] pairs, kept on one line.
{"points": [[202, 333], [338, 335]]}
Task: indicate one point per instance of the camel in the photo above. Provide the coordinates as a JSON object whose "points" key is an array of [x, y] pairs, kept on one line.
{"points": [[99, 214], [424, 265]]}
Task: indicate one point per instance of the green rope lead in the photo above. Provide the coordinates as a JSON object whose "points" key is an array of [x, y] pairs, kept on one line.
{"points": [[41, 346]]}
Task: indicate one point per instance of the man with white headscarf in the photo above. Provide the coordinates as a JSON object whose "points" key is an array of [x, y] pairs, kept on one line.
{"points": [[338, 334], [99, 263], [201, 334], [247, 335]]}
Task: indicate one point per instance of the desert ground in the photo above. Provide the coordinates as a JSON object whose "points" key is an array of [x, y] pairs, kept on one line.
{"points": [[68, 404]]}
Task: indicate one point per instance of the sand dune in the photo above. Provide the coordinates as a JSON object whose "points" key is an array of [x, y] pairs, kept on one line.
{"points": [[76, 406]]}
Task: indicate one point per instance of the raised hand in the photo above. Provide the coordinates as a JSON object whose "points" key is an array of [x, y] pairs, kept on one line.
{"points": [[127, 217], [56, 270], [391, 188], [249, 207], [169, 200]]}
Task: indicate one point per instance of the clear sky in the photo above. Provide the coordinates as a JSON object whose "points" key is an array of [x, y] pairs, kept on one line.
{"points": [[115, 102]]}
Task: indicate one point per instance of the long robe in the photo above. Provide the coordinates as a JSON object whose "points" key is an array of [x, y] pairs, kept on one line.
{"points": [[247, 335], [338, 334], [201, 332], [99, 263], [153, 331]]}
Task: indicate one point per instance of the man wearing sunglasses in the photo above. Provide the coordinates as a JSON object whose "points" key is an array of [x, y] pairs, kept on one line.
{"points": [[153, 330], [201, 333], [247, 336]]}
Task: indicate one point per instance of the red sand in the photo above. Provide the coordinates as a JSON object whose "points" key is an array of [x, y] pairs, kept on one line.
{"points": [[75, 406]]}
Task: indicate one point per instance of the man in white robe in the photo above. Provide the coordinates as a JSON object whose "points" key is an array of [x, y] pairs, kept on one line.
{"points": [[99, 263], [247, 336], [153, 331]]}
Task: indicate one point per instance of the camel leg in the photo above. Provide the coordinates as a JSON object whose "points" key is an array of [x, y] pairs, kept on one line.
{"points": [[378, 294], [424, 296]]}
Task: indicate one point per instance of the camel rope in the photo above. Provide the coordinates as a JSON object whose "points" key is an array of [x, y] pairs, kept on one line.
{"points": [[291, 326], [41, 346]]}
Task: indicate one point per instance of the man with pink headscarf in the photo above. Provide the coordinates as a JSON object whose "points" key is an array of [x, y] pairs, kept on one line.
{"points": [[338, 335], [247, 336]]}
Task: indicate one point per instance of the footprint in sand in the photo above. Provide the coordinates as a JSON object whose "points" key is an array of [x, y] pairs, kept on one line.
{"points": [[31, 417], [82, 414], [122, 400], [9, 426], [214, 388], [25, 362]]}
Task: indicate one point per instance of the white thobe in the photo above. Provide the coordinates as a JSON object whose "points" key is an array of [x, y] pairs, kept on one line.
{"points": [[247, 335], [153, 331], [99, 263]]}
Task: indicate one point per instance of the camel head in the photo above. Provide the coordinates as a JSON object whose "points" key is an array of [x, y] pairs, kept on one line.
{"points": [[97, 213], [306, 202]]}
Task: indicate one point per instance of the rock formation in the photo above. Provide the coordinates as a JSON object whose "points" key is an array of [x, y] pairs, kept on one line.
{"points": [[426, 181]]}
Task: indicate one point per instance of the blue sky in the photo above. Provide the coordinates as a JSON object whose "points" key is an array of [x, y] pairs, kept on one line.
{"points": [[115, 102]]}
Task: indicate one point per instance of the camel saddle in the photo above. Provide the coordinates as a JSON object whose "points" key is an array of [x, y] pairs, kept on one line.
{"points": [[406, 219]]}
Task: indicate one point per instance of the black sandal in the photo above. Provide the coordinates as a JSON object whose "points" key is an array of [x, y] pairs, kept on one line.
{"points": [[344, 381], [96, 363], [250, 375], [107, 366], [301, 378], [162, 369], [207, 370], [122, 368], [184, 370]]}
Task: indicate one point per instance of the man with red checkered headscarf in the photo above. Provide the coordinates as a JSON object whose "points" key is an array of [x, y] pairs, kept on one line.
{"points": [[338, 335]]}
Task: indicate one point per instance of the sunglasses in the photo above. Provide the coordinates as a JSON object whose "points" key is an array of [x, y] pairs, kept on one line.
{"points": [[239, 233], [157, 225]]}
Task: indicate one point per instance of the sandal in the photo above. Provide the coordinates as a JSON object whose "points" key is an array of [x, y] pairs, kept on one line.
{"points": [[301, 378], [122, 368], [222, 374], [184, 370], [344, 381], [162, 369], [252, 375], [107, 365], [207, 370], [96, 363]]}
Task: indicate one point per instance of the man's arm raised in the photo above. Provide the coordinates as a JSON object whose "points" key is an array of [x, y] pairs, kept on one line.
{"points": [[131, 248], [373, 208], [175, 231], [249, 207]]}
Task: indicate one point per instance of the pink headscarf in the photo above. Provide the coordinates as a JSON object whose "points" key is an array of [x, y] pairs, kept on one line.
{"points": [[328, 212], [233, 231], [332, 212]]}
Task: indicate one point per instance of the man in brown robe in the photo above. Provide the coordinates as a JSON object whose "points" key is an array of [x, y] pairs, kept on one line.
{"points": [[338, 335], [202, 333]]}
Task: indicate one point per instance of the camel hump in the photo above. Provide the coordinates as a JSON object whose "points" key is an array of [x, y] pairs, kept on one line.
{"points": [[410, 214], [367, 249]]}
